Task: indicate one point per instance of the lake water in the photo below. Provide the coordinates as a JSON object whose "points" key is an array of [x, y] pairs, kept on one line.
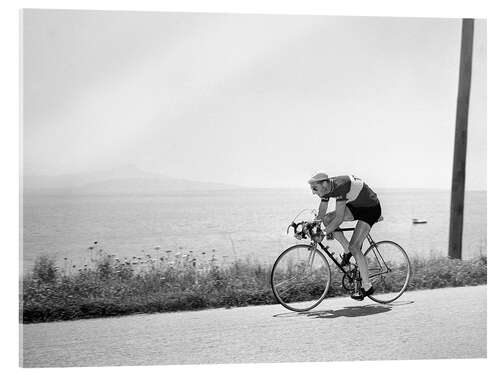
{"points": [[234, 223]]}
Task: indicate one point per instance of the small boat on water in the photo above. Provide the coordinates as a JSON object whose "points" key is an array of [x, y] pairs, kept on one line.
{"points": [[419, 221]]}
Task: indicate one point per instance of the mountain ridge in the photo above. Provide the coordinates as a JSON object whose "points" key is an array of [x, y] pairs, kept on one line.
{"points": [[128, 180]]}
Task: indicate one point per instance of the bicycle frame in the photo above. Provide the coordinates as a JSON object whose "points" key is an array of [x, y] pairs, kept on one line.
{"points": [[330, 255]]}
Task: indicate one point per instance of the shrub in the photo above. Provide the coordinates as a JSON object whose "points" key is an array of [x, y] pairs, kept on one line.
{"points": [[45, 269], [114, 287]]}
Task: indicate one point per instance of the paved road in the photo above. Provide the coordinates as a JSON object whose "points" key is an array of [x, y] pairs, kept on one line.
{"points": [[441, 323]]}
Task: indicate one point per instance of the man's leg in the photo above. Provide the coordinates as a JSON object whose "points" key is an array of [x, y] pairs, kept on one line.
{"points": [[339, 236], [360, 232]]}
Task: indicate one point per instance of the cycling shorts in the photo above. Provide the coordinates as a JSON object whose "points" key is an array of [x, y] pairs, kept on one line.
{"points": [[369, 215]]}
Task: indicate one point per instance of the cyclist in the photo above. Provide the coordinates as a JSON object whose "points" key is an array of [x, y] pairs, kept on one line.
{"points": [[354, 200]]}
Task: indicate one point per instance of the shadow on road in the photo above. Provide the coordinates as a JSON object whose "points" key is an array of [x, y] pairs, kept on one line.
{"points": [[348, 312], [400, 303]]}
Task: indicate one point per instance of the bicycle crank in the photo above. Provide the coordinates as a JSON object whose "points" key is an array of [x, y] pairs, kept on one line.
{"points": [[349, 280]]}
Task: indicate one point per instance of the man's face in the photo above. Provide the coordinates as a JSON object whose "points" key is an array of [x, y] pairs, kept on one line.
{"points": [[319, 188]]}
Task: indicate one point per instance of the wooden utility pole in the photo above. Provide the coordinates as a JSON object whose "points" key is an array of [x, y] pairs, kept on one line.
{"points": [[460, 151]]}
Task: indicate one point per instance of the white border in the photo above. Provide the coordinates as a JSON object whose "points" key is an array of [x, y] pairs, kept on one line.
{"points": [[10, 161], [423, 8]]}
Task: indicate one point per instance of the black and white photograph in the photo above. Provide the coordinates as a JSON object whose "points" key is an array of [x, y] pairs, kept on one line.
{"points": [[243, 188]]}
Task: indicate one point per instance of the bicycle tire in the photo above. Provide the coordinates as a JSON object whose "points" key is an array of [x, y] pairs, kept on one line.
{"points": [[389, 270], [299, 296]]}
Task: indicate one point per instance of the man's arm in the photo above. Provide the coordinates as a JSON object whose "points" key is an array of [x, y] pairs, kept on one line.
{"points": [[339, 216], [323, 206]]}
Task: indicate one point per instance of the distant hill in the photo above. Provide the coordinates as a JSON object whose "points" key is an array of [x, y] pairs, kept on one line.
{"points": [[118, 181]]}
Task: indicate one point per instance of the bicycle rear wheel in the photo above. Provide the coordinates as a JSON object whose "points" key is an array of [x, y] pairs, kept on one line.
{"points": [[389, 270], [300, 278]]}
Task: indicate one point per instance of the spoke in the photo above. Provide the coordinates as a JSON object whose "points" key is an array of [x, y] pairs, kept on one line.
{"points": [[287, 289], [286, 281], [293, 278]]}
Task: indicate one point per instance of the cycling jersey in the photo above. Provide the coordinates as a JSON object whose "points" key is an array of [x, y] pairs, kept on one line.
{"points": [[353, 190]]}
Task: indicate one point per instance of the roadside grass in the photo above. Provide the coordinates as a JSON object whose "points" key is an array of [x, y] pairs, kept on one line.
{"points": [[110, 286]]}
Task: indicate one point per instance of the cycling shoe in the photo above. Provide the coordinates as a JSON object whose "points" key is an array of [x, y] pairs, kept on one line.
{"points": [[361, 294]]}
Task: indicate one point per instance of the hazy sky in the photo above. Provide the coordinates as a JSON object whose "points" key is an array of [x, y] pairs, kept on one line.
{"points": [[256, 100]]}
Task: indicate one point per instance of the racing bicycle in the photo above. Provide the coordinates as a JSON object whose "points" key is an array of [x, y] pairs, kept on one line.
{"points": [[301, 276]]}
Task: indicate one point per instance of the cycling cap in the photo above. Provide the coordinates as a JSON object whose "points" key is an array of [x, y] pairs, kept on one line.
{"points": [[318, 178]]}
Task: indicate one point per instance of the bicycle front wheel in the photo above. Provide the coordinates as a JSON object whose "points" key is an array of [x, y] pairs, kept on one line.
{"points": [[300, 278], [389, 270]]}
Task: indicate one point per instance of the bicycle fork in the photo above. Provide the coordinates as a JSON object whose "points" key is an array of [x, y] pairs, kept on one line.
{"points": [[310, 258]]}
